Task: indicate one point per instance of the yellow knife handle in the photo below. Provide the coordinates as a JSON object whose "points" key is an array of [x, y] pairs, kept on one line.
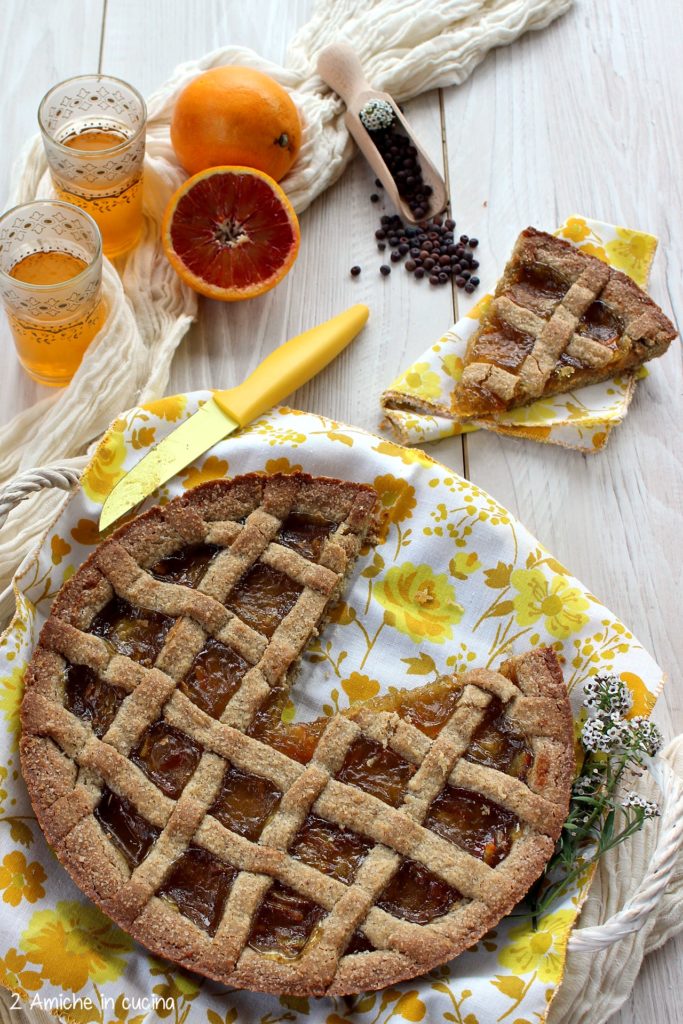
{"points": [[291, 365]]}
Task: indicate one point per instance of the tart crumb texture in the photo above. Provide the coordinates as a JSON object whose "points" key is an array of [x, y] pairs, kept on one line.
{"points": [[329, 857]]}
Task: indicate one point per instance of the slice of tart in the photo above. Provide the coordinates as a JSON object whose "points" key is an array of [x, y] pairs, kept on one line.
{"points": [[328, 857], [559, 320]]}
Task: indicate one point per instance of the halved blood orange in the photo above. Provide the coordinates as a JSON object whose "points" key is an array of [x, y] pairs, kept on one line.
{"points": [[230, 233]]}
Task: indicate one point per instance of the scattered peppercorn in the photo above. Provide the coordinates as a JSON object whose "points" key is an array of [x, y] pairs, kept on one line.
{"points": [[355, 271], [374, 198], [431, 249], [474, 242]]}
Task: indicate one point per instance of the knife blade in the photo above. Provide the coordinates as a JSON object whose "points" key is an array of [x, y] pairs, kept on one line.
{"points": [[280, 373]]}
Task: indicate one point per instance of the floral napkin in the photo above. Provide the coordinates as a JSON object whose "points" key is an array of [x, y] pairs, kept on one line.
{"points": [[493, 590], [417, 405]]}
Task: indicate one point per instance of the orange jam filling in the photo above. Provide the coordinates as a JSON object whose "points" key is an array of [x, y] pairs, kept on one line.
{"points": [[245, 803], [477, 825], [186, 566], [376, 770], [305, 534], [284, 923], [263, 597], [538, 287], [334, 851], [130, 832], [501, 344], [199, 884], [497, 744], [415, 894], [133, 632], [358, 943], [214, 677], [601, 323], [168, 757], [86, 696]]}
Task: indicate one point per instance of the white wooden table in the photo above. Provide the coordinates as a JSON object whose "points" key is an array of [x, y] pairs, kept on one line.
{"points": [[579, 118]]}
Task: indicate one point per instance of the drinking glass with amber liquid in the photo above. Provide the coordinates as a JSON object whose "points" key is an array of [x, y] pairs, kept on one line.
{"points": [[93, 130], [51, 286]]}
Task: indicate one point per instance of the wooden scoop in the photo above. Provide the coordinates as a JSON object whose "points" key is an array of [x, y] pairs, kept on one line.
{"points": [[340, 68]]}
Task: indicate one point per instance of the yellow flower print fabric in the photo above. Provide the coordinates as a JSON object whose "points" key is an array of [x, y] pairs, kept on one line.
{"points": [[455, 582], [580, 419]]}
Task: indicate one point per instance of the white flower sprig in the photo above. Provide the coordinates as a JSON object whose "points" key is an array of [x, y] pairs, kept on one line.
{"points": [[600, 817], [377, 115]]}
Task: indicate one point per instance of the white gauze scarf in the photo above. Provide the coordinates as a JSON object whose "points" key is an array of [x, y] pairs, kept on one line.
{"points": [[406, 47]]}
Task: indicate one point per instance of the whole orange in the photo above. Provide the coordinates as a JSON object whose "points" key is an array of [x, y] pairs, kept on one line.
{"points": [[235, 115]]}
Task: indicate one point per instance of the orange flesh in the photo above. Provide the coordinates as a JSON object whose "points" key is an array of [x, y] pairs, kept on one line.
{"points": [[199, 884], [231, 230]]}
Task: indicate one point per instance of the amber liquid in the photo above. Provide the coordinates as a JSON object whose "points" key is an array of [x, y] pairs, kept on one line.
{"points": [[117, 206], [50, 350]]}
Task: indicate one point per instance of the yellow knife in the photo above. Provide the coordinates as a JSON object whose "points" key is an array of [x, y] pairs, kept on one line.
{"points": [[280, 373]]}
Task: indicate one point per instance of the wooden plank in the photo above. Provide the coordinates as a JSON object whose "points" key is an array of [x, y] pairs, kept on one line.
{"points": [[40, 44], [523, 150]]}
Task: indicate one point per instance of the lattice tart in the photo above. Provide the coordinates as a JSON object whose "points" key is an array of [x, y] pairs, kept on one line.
{"points": [[327, 857], [559, 319]]}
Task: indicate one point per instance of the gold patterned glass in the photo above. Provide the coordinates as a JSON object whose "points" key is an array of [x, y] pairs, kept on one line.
{"points": [[50, 284], [93, 130]]}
